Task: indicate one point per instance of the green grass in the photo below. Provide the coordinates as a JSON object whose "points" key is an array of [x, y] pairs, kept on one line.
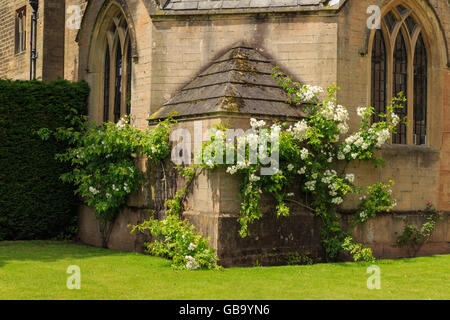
{"points": [[37, 270]]}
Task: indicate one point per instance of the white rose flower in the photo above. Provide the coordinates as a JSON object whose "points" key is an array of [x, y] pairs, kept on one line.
{"points": [[350, 177], [210, 163], [343, 128], [304, 153], [308, 93], [337, 200], [254, 178], [395, 119], [255, 124], [232, 170], [93, 190], [191, 264], [310, 185], [347, 149], [361, 111], [299, 131]]}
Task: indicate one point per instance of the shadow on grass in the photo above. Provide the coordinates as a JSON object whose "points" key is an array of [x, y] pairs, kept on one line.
{"points": [[50, 251]]}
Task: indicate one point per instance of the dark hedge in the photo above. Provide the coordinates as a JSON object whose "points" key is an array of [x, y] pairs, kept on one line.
{"points": [[34, 202]]}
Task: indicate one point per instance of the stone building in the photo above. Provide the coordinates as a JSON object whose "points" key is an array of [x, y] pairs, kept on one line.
{"points": [[146, 57]]}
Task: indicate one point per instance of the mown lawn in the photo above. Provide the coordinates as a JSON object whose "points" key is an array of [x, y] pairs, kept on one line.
{"points": [[37, 270]]}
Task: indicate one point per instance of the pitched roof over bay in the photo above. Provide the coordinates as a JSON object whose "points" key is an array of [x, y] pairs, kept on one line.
{"points": [[236, 4], [239, 82]]}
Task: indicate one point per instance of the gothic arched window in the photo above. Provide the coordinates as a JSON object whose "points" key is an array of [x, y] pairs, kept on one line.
{"points": [[117, 87], [106, 85], [420, 93], [128, 92], [378, 74], [399, 64], [401, 85], [118, 84]]}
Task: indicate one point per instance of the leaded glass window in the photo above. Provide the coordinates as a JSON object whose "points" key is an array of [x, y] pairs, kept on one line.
{"points": [[117, 84], [420, 92], [106, 90], [401, 86], [399, 64], [129, 66], [378, 75]]}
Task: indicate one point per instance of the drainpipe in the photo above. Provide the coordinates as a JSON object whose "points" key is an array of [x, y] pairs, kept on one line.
{"points": [[33, 51]]}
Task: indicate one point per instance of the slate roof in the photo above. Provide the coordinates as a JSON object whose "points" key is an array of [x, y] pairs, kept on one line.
{"points": [[238, 82], [236, 4]]}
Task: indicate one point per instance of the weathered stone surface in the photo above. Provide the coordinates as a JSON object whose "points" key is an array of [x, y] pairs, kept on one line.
{"points": [[121, 237], [236, 4], [50, 44], [237, 82], [314, 44], [270, 241]]}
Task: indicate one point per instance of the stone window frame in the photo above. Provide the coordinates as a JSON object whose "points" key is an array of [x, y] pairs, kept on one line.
{"points": [[102, 34], [390, 34], [117, 41], [20, 30]]}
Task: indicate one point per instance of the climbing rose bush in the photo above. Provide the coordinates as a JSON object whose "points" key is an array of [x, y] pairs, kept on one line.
{"points": [[311, 151], [179, 241], [104, 162]]}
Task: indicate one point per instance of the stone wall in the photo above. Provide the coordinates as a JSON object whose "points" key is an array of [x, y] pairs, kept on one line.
{"points": [[381, 233], [54, 39], [90, 69], [442, 10], [444, 176], [50, 40], [420, 173], [316, 48], [17, 66], [313, 47], [71, 50], [305, 46], [213, 206]]}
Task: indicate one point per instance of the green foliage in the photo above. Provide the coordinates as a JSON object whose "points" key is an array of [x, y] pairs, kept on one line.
{"points": [[175, 238], [378, 198], [175, 205], [104, 162], [308, 152], [179, 241], [358, 251], [34, 203], [414, 238], [295, 258]]}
